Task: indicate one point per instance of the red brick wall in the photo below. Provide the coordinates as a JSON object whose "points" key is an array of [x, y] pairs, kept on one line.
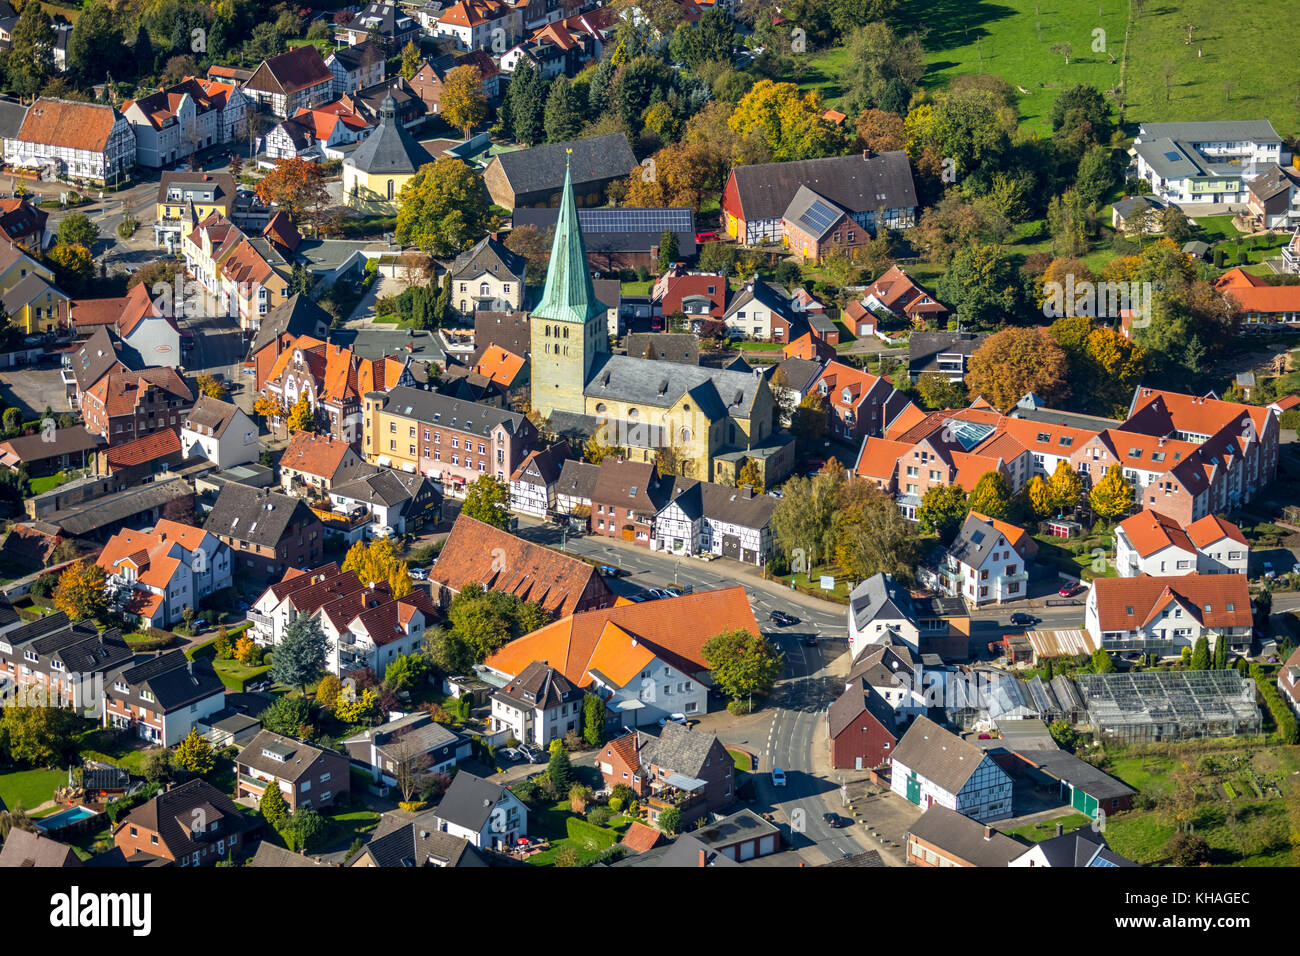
{"points": [[854, 741]]}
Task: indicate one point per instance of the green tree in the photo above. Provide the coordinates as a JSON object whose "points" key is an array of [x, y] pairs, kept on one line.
{"points": [[871, 535], [811, 419], [558, 768], [877, 56], [487, 499], [743, 663], [937, 391], [304, 829], [411, 61], [300, 655], [38, 736], [1097, 176], [565, 112], [524, 108], [593, 720], [1200, 655], [942, 511], [991, 496], [273, 807], [156, 764], [982, 286], [1065, 736], [1221, 654], [1112, 497], [76, 229], [667, 249], [1187, 849], [31, 54], [670, 821], [405, 671], [443, 209], [96, 46], [195, 754], [1101, 662]]}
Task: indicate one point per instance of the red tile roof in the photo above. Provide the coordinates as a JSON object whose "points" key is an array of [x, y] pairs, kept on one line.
{"points": [[151, 447], [1216, 600]]}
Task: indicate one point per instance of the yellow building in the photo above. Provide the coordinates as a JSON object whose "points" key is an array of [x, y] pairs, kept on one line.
{"points": [[35, 305], [376, 171], [185, 199]]}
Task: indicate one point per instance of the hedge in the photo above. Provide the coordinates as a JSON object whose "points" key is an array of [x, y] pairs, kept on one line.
{"points": [[1287, 729], [584, 831]]}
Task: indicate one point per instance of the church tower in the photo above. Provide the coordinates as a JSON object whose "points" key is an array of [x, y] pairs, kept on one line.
{"points": [[568, 329]]}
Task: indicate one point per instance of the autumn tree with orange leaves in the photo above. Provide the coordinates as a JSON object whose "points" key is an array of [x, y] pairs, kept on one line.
{"points": [[295, 185]]}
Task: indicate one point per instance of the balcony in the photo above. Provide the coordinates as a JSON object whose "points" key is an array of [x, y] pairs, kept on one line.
{"points": [[264, 621]]}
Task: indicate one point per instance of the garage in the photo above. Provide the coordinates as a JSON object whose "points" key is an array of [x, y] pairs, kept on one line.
{"points": [[741, 836], [749, 557], [730, 546]]}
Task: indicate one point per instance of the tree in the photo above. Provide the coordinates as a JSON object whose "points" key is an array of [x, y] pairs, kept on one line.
{"points": [[593, 720], [789, 122], [880, 131], [667, 250], [327, 691], [558, 768], [96, 46], [870, 534], [31, 53], [211, 387], [1200, 655], [524, 108], [1221, 654], [360, 709], [1063, 733], [302, 417], [1187, 849], [156, 764], [1063, 49], [80, 591], [303, 829], [1112, 497], [942, 511], [488, 500], [1039, 496], [938, 391], [300, 655], [375, 562], [443, 208], [533, 244], [565, 111], [405, 671], [411, 763], [595, 451], [268, 408], [877, 57], [73, 264], [13, 422], [670, 821], [750, 476], [38, 736], [743, 663], [463, 102], [1065, 487], [1097, 176], [195, 754], [411, 61], [286, 715], [811, 419], [991, 496], [297, 186], [1101, 662], [76, 229], [273, 807], [982, 286], [1014, 362]]}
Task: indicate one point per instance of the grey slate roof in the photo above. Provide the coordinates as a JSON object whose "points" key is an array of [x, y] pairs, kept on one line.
{"points": [[744, 824], [211, 414], [89, 517], [353, 58], [23, 848], [380, 486], [577, 479], [857, 699], [539, 686], [420, 843], [879, 596], [871, 858], [268, 854], [924, 347], [680, 347], [489, 255], [67, 441], [390, 149], [1078, 847], [95, 358], [802, 201], [11, 118], [298, 315], [965, 838], [469, 801], [1063, 766], [298, 755], [800, 373], [543, 468], [704, 499], [938, 755], [768, 294], [414, 731], [450, 412], [169, 814], [259, 517], [1260, 131], [174, 680], [542, 167], [857, 185], [717, 392], [974, 542], [1127, 207], [677, 748]]}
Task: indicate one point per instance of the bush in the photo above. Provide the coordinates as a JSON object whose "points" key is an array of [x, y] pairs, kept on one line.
{"points": [[599, 816], [622, 793], [670, 821], [739, 707], [1188, 849], [574, 741], [1283, 716], [615, 805], [525, 790]]}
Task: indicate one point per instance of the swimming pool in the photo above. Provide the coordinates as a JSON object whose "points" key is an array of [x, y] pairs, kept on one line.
{"points": [[64, 818]]}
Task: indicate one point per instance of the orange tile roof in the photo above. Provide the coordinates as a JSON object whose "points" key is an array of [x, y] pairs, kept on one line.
{"points": [[121, 392], [859, 384], [808, 348], [500, 365], [971, 468], [640, 838], [69, 125], [905, 421], [1149, 531], [618, 656], [675, 629], [1200, 415], [315, 454], [150, 552], [1146, 596], [879, 458], [150, 447], [1212, 528], [1015, 535]]}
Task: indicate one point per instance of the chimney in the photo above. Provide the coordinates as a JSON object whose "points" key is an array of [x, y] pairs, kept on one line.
{"points": [[866, 153], [704, 858], [1058, 829], [988, 831]]}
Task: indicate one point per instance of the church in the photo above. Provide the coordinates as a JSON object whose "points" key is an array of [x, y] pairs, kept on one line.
{"points": [[711, 419]]}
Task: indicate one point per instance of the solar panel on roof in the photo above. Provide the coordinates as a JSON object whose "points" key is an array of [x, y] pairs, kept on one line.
{"points": [[1173, 156], [818, 217], [635, 220]]}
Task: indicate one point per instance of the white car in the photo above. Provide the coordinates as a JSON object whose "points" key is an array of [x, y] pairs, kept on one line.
{"points": [[419, 574], [675, 718], [778, 777]]}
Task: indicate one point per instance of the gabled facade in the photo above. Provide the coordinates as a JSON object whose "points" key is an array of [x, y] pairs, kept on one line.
{"points": [[1162, 615], [165, 570], [161, 698], [74, 141], [987, 563], [1150, 543], [538, 706], [285, 83], [183, 119], [220, 432], [932, 766]]}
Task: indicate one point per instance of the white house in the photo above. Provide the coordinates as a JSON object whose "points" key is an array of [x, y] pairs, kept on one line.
{"points": [[162, 698], [987, 562], [395, 499], [220, 432], [183, 119], [900, 679], [160, 573], [1162, 615], [538, 706], [481, 25], [1288, 681], [383, 749], [933, 766], [1201, 163], [368, 628], [73, 141], [484, 813], [1150, 543], [758, 311], [532, 486], [706, 517], [574, 487], [880, 612]]}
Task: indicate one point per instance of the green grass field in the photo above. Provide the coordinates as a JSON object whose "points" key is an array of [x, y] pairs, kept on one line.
{"points": [[1038, 832], [1014, 39], [30, 788]]}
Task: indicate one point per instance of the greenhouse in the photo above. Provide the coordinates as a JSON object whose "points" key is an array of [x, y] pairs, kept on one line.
{"points": [[1150, 706]]}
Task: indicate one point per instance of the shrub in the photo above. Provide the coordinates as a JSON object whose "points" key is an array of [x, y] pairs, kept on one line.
{"points": [[739, 707], [599, 816], [622, 793], [1188, 849], [670, 821], [574, 741], [615, 805], [525, 790]]}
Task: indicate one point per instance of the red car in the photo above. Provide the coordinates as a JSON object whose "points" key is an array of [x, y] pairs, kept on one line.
{"points": [[709, 236], [1068, 590]]}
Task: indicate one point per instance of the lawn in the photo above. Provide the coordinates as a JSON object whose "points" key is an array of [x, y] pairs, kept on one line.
{"points": [[30, 788], [1014, 39], [589, 840], [811, 584], [234, 674], [823, 73], [1051, 551], [1247, 50], [1038, 832], [744, 762], [48, 483]]}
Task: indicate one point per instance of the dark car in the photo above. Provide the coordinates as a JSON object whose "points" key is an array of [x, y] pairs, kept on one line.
{"points": [[781, 619], [811, 640], [610, 572], [834, 820], [1021, 619]]}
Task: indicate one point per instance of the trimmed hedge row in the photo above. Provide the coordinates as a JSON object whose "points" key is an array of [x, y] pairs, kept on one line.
{"points": [[1287, 729]]}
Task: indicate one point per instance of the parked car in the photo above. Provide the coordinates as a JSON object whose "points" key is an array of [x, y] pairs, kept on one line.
{"points": [[1268, 570], [781, 619], [1021, 619], [707, 236], [777, 493], [1295, 568], [420, 574], [811, 640], [673, 591], [706, 555], [1068, 590], [778, 777], [675, 718]]}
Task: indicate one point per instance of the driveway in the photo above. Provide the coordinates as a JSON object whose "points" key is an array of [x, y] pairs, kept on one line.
{"points": [[34, 389]]}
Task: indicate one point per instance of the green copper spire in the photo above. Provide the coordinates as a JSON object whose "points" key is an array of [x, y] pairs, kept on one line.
{"points": [[568, 296]]}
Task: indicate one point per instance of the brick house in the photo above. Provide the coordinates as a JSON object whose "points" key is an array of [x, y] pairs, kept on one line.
{"points": [[308, 776], [688, 769], [861, 729], [627, 497], [269, 532], [193, 824], [125, 405], [860, 403]]}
